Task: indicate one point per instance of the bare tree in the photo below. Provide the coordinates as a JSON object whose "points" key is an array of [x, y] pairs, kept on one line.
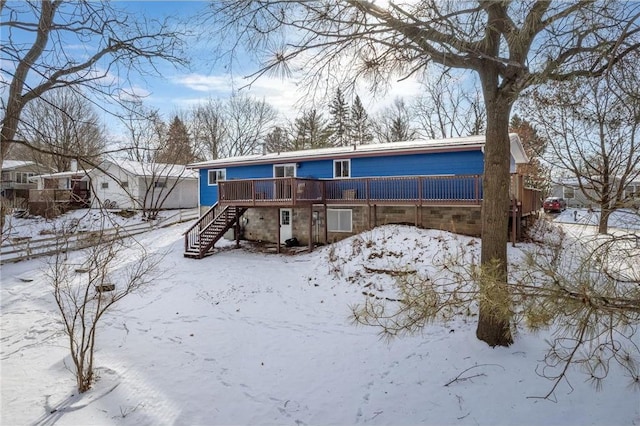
{"points": [[395, 123], [208, 129], [59, 126], [114, 40], [145, 133], [509, 45], [84, 294], [594, 129], [450, 107], [247, 122]]}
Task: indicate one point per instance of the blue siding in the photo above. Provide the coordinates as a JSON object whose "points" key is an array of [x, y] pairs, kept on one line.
{"points": [[441, 163]]}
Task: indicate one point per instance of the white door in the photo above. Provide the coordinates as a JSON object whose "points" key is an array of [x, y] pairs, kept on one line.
{"points": [[286, 229]]}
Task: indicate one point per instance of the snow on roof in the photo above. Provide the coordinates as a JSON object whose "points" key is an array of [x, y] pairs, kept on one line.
{"points": [[62, 174], [137, 168], [413, 146], [14, 164]]}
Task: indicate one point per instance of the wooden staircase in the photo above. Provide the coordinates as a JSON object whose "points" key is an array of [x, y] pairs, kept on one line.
{"points": [[201, 237]]}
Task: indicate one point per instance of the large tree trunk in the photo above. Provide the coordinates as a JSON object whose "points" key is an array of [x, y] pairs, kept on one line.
{"points": [[495, 307], [603, 223]]}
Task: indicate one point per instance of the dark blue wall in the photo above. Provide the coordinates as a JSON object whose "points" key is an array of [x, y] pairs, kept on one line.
{"points": [[441, 163]]}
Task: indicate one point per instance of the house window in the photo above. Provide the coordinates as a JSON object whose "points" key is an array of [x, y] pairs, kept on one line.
{"points": [[124, 184], [569, 192], [284, 170], [339, 220], [160, 184], [216, 175], [104, 185], [632, 191], [341, 168], [23, 177]]}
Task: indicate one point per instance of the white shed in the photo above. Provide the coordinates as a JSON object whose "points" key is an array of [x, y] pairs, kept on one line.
{"points": [[132, 185]]}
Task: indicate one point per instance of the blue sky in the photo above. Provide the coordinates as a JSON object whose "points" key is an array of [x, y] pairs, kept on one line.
{"points": [[179, 89]]}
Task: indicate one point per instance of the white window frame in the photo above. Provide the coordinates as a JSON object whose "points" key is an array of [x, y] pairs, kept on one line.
{"points": [[23, 177], [294, 166], [335, 162], [220, 175], [345, 215]]}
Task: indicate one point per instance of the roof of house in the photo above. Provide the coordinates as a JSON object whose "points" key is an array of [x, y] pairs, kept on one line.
{"points": [[15, 164], [60, 175], [136, 168], [406, 147]]}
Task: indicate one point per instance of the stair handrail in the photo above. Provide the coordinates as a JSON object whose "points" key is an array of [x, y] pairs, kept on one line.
{"points": [[225, 210], [197, 222]]}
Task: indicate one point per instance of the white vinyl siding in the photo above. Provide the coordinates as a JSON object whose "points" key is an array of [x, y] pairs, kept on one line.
{"points": [[339, 220]]}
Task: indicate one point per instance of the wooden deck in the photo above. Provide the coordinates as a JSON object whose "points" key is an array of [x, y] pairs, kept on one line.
{"points": [[410, 190]]}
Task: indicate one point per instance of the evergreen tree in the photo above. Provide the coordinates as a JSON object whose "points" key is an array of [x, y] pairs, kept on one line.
{"points": [[277, 140], [177, 148], [536, 173], [339, 124], [359, 125], [310, 131]]}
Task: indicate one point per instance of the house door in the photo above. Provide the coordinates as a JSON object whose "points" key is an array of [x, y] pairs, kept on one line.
{"points": [[286, 227]]}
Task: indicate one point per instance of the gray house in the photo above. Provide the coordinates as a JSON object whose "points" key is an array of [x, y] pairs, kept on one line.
{"points": [[569, 189]]}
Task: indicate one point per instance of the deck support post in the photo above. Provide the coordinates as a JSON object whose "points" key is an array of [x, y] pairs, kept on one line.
{"points": [[514, 215], [310, 227], [237, 229], [375, 215], [278, 227], [416, 221], [326, 233]]}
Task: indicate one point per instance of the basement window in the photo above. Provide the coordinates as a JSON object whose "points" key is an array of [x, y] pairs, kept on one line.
{"points": [[339, 220], [104, 185]]}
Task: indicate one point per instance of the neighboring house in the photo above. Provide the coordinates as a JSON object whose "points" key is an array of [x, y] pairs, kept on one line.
{"points": [[72, 187], [16, 180], [130, 185], [322, 195], [569, 189]]}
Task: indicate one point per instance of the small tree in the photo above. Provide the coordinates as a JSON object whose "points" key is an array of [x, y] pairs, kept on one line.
{"points": [[395, 123], [83, 297], [359, 123], [177, 148], [58, 126], [310, 131], [339, 120], [535, 172]]}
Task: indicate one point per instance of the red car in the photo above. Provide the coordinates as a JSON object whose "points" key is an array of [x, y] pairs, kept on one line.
{"points": [[554, 204]]}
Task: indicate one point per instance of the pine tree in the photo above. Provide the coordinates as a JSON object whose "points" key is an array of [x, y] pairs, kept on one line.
{"points": [[359, 125], [277, 140], [177, 148], [339, 124], [310, 131]]}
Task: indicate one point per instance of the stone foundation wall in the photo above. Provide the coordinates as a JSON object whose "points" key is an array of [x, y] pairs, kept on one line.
{"points": [[262, 223]]}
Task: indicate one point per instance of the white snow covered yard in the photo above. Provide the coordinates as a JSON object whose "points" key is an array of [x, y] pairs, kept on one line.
{"points": [[243, 337]]}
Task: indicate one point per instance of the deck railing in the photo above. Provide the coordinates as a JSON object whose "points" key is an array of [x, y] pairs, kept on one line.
{"points": [[417, 190]]}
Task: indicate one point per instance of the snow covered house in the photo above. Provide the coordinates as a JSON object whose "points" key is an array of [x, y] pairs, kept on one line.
{"points": [[131, 185], [322, 195]]}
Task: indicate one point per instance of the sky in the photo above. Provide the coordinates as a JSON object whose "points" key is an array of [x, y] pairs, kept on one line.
{"points": [[182, 88]]}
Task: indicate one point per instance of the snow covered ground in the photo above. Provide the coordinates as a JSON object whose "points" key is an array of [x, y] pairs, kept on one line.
{"points": [[249, 338]]}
